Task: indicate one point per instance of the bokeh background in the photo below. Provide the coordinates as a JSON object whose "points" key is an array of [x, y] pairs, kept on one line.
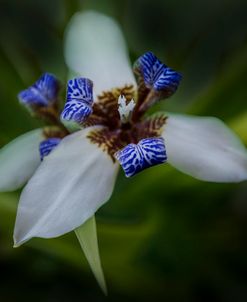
{"points": [[163, 236]]}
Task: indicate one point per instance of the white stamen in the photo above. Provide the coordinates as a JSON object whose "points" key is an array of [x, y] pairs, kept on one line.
{"points": [[124, 109]]}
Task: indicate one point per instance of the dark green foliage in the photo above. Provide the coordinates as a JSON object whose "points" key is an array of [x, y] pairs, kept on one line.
{"points": [[163, 236]]}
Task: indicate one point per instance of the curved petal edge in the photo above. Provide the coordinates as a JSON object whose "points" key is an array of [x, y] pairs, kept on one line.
{"points": [[95, 48], [205, 148], [66, 190], [19, 159]]}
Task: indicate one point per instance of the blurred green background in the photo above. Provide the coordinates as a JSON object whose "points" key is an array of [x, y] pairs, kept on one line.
{"points": [[164, 235]]}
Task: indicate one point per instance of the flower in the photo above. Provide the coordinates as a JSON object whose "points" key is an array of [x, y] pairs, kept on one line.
{"points": [[20, 158], [104, 125]]}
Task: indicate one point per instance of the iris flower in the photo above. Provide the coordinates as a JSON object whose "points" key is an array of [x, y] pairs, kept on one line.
{"points": [[72, 166]]}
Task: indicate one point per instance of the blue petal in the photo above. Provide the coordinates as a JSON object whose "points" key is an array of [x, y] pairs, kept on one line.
{"points": [[80, 89], [75, 111], [79, 100], [157, 75], [48, 85], [47, 146], [42, 93], [137, 157]]}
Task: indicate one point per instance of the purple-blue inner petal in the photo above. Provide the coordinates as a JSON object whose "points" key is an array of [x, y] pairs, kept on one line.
{"points": [[76, 111], [47, 146], [157, 75], [42, 93], [80, 89], [147, 153], [79, 100]]}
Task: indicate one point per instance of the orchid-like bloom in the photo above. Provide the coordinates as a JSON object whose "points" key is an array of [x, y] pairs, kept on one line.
{"points": [[105, 125]]}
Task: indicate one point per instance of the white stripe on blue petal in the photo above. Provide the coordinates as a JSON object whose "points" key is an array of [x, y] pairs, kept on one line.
{"points": [[156, 74], [80, 89], [47, 146], [41, 93], [79, 100], [147, 153]]}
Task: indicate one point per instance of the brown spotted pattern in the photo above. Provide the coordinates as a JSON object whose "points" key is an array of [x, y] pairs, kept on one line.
{"points": [[105, 109], [54, 131], [114, 135]]}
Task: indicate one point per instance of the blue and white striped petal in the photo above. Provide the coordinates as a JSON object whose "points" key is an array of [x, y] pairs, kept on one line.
{"points": [[147, 153], [157, 75], [47, 146], [80, 89], [79, 101], [42, 93]]}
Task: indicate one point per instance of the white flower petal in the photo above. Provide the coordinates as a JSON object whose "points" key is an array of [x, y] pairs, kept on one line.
{"points": [[95, 49], [205, 148], [19, 159], [66, 190]]}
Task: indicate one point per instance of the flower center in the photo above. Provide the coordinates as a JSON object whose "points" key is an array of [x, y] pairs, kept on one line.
{"points": [[113, 112], [124, 132]]}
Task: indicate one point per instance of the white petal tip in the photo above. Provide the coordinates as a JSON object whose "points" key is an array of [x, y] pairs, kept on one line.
{"points": [[205, 148], [95, 48], [16, 243]]}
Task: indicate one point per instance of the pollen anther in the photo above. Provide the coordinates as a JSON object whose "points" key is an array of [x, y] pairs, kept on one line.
{"points": [[125, 109]]}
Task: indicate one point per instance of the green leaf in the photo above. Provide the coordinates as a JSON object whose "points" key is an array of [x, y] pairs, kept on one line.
{"points": [[87, 236]]}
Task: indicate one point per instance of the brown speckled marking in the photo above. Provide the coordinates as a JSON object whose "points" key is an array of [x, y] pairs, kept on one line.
{"points": [[105, 109], [146, 95], [107, 140], [150, 127], [142, 89], [115, 135], [54, 131]]}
